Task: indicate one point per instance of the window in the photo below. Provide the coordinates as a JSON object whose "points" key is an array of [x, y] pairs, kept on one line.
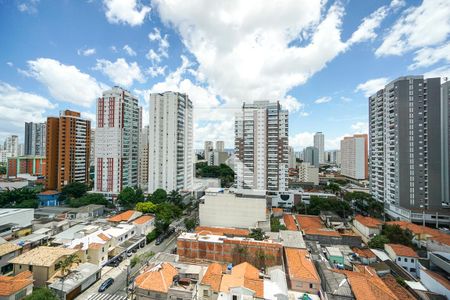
{"points": [[405, 259], [235, 297], [412, 260], [399, 259], [311, 286], [205, 293], [413, 270]]}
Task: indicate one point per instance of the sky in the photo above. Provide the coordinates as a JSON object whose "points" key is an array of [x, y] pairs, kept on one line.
{"points": [[320, 59]]}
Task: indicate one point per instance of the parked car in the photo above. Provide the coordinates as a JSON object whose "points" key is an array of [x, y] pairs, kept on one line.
{"points": [[113, 263], [106, 284], [129, 253], [159, 240]]}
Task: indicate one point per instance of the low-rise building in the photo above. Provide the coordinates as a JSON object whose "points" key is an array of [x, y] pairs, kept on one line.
{"points": [[144, 224], [154, 283], [435, 282], [32, 165], [367, 227], [365, 256], [95, 247], [42, 262], [403, 256], [13, 220], [126, 216], [302, 274], [334, 256], [86, 212], [308, 173], [7, 252], [49, 198], [13, 183], [122, 232], [230, 232], [16, 287]]}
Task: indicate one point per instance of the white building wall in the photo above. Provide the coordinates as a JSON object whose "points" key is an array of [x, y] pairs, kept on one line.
{"points": [[319, 143]]}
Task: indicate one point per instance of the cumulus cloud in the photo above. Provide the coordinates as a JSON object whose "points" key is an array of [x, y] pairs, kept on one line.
{"points": [[18, 107], [324, 99], [64, 82], [301, 140], [371, 86], [86, 52], [129, 12], [120, 72], [443, 72], [429, 56], [129, 50], [425, 25], [28, 6], [360, 127], [162, 48], [366, 30], [156, 71]]}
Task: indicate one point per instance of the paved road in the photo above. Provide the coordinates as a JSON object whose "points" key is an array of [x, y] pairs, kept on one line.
{"points": [[119, 274]]}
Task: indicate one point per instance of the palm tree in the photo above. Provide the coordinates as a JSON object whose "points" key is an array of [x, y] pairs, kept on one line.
{"points": [[65, 266], [174, 197]]}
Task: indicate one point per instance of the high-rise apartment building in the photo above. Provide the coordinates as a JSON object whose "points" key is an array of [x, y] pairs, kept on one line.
{"points": [[68, 141], [261, 146], [116, 141], [220, 146], [170, 142], [354, 161], [143, 157], [407, 136], [291, 158], [92, 150], [445, 140], [209, 147], [12, 145], [319, 143], [35, 139], [333, 157], [311, 155]]}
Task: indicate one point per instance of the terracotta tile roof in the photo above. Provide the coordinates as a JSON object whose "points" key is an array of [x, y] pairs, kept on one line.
{"points": [[159, 278], [277, 210], [369, 221], [290, 222], [8, 247], [12, 284], [313, 225], [96, 246], [213, 276], [42, 256], [204, 230], [143, 219], [396, 288], [366, 253], [402, 250], [300, 265], [104, 237], [439, 278], [367, 285], [431, 233], [244, 275], [123, 217]]}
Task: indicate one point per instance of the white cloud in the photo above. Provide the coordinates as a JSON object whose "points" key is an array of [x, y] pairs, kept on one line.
{"points": [[213, 131], [301, 140], [120, 72], [425, 25], [129, 50], [18, 107], [324, 99], [366, 30], [86, 52], [346, 99], [360, 127], [153, 56], [90, 116], [125, 11], [162, 49], [429, 56], [113, 49], [156, 71], [9, 63], [442, 72], [292, 105], [28, 6], [371, 86], [65, 83]]}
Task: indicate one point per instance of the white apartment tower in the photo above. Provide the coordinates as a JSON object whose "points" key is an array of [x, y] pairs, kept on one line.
{"points": [[319, 143], [12, 145], [143, 157], [261, 146], [170, 142], [220, 146], [354, 151], [116, 141]]}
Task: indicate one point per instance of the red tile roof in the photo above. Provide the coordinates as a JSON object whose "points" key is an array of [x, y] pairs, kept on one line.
{"points": [[290, 222], [123, 217], [313, 225], [213, 276], [204, 230], [396, 288], [369, 221], [49, 192], [366, 253], [433, 234], [143, 219], [300, 265], [402, 250], [158, 278], [12, 284]]}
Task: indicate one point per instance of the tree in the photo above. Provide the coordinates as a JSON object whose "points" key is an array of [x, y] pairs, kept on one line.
{"points": [[2, 169], [378, 242], [175, 198], [146, 207], [127, 198], [318, 204], [223, 172], [159, 196], [92, 198], [190, 224], [275, 225], [42, 294], [334, 187], [257, 234], [19, 198], [74, 190], [395, 234], [151, 236]]}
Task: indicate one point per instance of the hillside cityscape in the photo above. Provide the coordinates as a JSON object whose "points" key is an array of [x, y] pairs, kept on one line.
{"points": [[196, 173]]}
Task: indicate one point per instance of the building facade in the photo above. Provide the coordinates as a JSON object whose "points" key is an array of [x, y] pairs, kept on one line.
{"points": [[407, 169], [170, 142], [116, 141], [11, 145], [319, 143], [261, 146], [68, 142], [143, 157], [308, 173], [34, 138], [354, 161], [32, 165], [311, 155]]}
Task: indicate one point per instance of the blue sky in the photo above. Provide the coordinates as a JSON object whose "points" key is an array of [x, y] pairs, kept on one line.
{"points": [[320, 59]]}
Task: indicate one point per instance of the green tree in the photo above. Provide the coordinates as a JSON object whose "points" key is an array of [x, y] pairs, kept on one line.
{"points": [[318, 204], [91, 198], [21, 198], [159, 196], [275, 225], [146, 207], [395, 234], [2, 169], [378, 242], [257, 234], [223, 172], [42, 294], [127, 198], [151, 236], [175, 198], [334, 187], [189, 223], [74, 190]]}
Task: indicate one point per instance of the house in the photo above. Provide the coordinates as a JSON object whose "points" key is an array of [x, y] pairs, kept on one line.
{"points": [[14, 220], [144, 224], [7, 252], [121, 233], [335, 256], [16, 287], [126, 216], [365, 256], [42, 262], [332, 220], [94, 247], [86, 212], [367, 227], [154, 283], [49, 198], [435, 282], [230, 232], [302, 273], [403, 256]]}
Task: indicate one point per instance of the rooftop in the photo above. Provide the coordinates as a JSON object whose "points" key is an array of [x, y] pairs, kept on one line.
{"points": [[158, 278], [244, 275], [126, 216], [205, 230], [439, 278], [143, 219], [87, 208], [42, 256], [12, 284], [300, 265], [292, 239], [290, 222], [75, 278], [366, 253], [213, 276], [433, 234], [8, 247], [313, 225], [368, 221], [402, 250], [396, 288]]}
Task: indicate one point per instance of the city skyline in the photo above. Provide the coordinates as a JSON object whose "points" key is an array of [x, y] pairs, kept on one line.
{"points": [[150, 39]]}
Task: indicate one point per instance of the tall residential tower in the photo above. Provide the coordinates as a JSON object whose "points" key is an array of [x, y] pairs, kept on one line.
{"points": [[319, 143], [34, 139]]}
